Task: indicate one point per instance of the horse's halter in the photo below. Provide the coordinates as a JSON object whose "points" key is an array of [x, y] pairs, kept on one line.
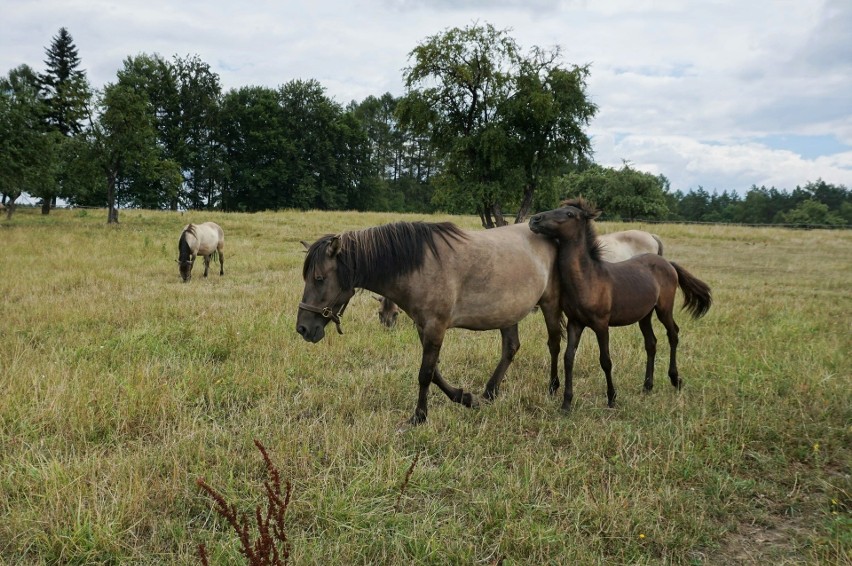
{"points": [[328, 312]]}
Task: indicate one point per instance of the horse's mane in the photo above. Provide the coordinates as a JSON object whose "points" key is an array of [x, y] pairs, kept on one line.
{"points": [[183, 246], [383, 252], [589, 212]]}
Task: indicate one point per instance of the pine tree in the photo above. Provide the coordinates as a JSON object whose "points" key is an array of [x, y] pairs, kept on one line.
{"points": [[64, 85], [66, 94]]}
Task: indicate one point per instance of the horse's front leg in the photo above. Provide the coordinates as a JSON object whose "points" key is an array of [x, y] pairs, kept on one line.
{"points": [[575, 331], [206, 265], [510, 344], [428, 367], [553, 320]]}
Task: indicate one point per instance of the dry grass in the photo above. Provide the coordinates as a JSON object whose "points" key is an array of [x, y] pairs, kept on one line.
{"points": [[122, 386]]}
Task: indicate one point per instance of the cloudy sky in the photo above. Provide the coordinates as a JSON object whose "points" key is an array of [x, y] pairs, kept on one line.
{"points": [[723, 94]]}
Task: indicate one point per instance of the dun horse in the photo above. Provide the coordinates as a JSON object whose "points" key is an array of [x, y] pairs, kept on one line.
{"points": [[599, 294], [616, 246], [203, 240], [442, 277]]}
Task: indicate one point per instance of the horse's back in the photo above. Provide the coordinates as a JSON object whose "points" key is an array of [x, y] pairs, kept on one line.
{"points": [[637, 283], [210, 236], [620, 246], [492, 278]]}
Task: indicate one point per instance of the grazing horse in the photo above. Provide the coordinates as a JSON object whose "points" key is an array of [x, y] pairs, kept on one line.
{"points": [[203, 240], [598, 294], [443, 277], [388, 311], [616, 246]]}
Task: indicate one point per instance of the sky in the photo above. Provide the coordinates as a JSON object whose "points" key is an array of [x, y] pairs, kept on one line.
{"points": [[718, 94]]}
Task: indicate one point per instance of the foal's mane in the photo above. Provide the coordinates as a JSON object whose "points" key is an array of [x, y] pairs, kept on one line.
{"points": [[382, 252], [589, 212]]}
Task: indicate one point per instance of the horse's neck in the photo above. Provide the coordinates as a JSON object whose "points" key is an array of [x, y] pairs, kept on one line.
{"points": [[579, 271]]}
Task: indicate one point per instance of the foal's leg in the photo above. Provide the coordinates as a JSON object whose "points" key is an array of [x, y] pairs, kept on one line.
{"points": [[664, 314], [553, 320], [606, 363], [650, 349], [575, 330], [510, 345]]}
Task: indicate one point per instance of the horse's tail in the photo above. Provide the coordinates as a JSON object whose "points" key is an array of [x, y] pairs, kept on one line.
{"points": [[659, 244], [696, 293]]}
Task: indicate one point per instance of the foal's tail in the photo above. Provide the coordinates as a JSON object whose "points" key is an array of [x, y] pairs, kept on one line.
{"points": [[696, 293]]}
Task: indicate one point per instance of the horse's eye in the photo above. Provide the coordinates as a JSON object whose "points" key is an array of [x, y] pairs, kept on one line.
{"points": [[319, 278]]}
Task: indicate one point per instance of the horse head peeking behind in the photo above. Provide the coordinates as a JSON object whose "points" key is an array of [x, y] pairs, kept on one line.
{"points": [[388, 312], [206, 240]]}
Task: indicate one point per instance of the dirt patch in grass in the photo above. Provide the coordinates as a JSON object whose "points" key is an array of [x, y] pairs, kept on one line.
{"points": [[778, 541]]}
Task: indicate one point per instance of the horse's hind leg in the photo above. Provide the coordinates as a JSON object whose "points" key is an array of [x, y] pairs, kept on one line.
{"points": [[606, 364], [650, 349], [206, 265], [511, 343], [221, 263], [665, 316]]}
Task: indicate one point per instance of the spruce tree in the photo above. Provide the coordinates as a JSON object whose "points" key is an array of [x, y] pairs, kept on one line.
{"points": [[64, 85], [66, 93]]}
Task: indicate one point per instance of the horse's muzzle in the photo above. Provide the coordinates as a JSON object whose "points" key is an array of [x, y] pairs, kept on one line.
{"points": [[313, 336], [534, 223]]}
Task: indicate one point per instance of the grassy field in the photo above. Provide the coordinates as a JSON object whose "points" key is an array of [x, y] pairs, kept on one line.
{"points": [[121, 386]]}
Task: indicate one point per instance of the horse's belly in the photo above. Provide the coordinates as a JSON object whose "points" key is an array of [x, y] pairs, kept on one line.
{"points": [[489, 311]]}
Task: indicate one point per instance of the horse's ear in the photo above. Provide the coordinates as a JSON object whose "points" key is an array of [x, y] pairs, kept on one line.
{"points": [[304, 243], [334, 246], [593, 214]]}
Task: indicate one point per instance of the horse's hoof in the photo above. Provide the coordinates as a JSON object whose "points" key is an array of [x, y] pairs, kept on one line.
{"points": [[488, 395], [416, 419], [565, 410], [677, 383], [470, 400], [647, 388], [553, 389]]}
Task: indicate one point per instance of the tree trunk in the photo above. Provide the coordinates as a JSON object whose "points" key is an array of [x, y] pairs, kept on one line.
{"points": [[499, 219], [45, 205], [526, 203], [485, 217], [112, 212]]}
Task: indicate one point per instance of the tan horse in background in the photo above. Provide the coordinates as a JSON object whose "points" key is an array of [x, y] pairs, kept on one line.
{"points": [[206, 240]]}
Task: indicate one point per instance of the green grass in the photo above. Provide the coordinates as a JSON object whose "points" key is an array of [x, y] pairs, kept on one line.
{"points": [[121, 386]]}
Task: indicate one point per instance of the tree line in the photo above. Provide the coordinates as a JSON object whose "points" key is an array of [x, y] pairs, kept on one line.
{"points": [[484, 127]]}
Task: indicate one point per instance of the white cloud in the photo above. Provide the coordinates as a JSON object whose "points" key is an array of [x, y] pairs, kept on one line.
{"points": [[688, 90]]}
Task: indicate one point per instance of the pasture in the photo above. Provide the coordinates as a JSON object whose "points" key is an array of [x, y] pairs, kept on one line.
{"points": [[121, 386]]}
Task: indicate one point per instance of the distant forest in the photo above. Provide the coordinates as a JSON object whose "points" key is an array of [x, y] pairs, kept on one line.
{"points": [[484, 128]]}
